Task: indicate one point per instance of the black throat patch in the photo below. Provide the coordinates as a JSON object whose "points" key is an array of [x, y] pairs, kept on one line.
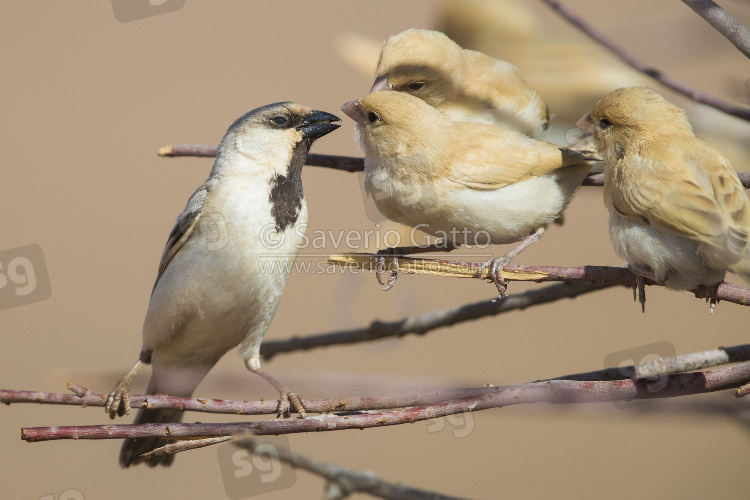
{"points": [[286, 190]]}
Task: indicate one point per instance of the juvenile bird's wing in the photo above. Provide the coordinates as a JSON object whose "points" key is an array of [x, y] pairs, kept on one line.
{"points": [[691, 190], [183, 229], [498, 84], [487, 158]]}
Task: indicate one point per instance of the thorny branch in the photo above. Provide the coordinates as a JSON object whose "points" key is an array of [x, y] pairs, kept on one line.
{"points": [[654, 73], [341, 482], [350, 163], [550, 391]]}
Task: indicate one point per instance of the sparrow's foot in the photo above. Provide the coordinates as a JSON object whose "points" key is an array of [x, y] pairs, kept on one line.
{"points": [[285, 396], [118, 401], [283, 410]]}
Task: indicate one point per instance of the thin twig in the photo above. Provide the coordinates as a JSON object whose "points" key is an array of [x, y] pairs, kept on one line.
{"points": [[723, 22], [657, 74], [180, 446], [350, 163], [552, 391], [341, 482]]}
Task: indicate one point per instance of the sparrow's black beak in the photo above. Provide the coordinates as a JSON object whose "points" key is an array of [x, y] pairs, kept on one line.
{"points": [[318, 124]]}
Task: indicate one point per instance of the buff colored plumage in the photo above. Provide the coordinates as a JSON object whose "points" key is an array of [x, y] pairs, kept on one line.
{"points": [[465, 84], [677, 210], [468, 182]]}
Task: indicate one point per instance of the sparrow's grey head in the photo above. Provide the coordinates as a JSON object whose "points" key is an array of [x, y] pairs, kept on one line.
{"points": [[272, 137], [270, 144]]}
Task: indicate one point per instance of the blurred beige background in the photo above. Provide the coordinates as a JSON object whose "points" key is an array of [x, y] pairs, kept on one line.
{"points": [[88, 100]]}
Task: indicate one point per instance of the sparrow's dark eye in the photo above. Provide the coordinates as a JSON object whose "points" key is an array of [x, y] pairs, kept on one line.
{"points": [[604, 123], [416, 85], [373, 116], [279, 120]]}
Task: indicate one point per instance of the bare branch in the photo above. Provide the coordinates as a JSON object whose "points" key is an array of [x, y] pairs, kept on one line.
{"points": [[657, 74], [551, 391], [724, 22], [664, 366], [350, 163], [341, 482], [433, 320]]}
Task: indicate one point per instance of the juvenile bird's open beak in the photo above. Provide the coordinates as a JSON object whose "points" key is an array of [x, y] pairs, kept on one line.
{"points": [[381, 83], [318, 124], [585, 123], [585, 143], [352, 110]]}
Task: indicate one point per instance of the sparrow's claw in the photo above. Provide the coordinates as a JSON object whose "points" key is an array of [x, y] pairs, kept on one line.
{"points": [[118, 401], [283, 410]]}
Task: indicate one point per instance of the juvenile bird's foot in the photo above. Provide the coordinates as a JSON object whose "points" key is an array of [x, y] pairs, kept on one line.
{"points": [[711, 291], [118, 401], [380, 267], [396, 252], [640, 285], [496, 265]]}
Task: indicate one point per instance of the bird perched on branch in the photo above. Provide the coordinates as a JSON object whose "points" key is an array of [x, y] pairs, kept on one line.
{"points": [[465, 84], [677, 211], [470, 183], [212, 292]]}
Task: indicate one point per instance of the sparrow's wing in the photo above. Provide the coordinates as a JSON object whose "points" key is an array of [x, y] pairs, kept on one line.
{"points": [[692, 191], [183, 229], [487, 158]]}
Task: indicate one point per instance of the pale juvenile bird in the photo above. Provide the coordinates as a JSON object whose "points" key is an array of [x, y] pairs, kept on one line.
{"points": [[677, 210], [465, 84], [212, 292], [470, 183]]}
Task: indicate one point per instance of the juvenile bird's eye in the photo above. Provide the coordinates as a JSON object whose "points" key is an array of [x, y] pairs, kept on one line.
{"points": [[279, 120], [416, 85], [604, 123], [373, 116]]}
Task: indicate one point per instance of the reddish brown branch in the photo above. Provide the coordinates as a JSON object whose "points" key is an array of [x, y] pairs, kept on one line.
{"points": [[553, 391], [654, 73]]}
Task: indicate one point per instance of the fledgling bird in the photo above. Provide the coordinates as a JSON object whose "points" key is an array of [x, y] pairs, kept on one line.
{"points": [[212, 293], [470, 183], [677, 211], [465, 84]]}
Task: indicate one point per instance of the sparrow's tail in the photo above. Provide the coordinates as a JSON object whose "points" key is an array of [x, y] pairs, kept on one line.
{"points": [[132, 449], [175, 381]]}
